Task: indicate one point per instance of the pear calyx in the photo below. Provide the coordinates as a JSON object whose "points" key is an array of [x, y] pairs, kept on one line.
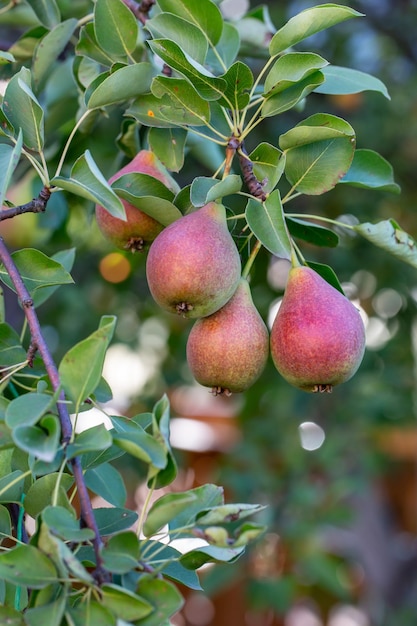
{"points": [[318, 337]]}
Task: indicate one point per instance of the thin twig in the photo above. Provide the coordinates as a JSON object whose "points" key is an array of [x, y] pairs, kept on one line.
{"points": [[37, 205], [87, 513]]}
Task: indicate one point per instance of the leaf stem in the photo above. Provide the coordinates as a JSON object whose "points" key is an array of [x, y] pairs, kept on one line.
{"points": [[145, 507], [321, 219], [70, 138], [251, 259]]}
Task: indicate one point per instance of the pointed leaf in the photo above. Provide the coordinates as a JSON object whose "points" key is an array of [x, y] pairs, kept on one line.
{"points": [[268, 165], [11, 350], [392, 238], [27, 409], [66, 259], [202, 13], [116, 27], [319, 152], [287, 98], [44, 490], [266, 221], [307, 23], [291, 68], [42, 440], [210, 554], [183, 96], [46, 11], [114, 520], [209, 87], [161, 431], [132, 438], [88, 46], [48, 50], [206, 496], [164, 509], [204, 190], [227, 513], [313, 233], [344, 80], [87, 181], [327, 273], [28, 566], [189, 37], [9, 158], [239, 79], [37, 270], [89, 440], [81, 367], [23, 110], [371, 171], [123, 84], [11, 488], [105, 481], [168, 144]]}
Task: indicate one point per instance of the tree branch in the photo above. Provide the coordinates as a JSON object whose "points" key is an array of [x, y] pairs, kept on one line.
{"points": [[37, 205], [38, 342]]}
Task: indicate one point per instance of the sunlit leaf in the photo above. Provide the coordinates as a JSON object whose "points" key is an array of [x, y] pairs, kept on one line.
{"points": [[291, 68], [168, 145], [307, 23], [287, 98], [392, 238], [164, 509], [116, 27], [123, 84], [266, 221], [26, 565], [23, 110], [188, 36], [9, 158], [371, 171], [46, 11]]}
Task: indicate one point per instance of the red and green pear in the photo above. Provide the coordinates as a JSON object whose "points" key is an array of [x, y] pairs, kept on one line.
{"points": [[193, 266], [139, 229], [228, 350], [318, 336]]}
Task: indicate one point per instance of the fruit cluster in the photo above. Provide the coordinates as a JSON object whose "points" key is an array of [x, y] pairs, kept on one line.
{"points": [[193, 269]]}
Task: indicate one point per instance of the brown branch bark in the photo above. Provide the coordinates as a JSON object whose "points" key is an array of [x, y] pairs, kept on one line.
{"points": [[37, 205]]}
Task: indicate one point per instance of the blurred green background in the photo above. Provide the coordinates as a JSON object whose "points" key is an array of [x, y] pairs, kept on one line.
{"points": [[338, 472]]}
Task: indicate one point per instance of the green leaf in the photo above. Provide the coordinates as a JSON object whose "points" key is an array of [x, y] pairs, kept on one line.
{"points": [[371, 171], [202, 13], [114, 520], [133, 439], [184, 98], [206, 496], [226, 49], [319, 152], [26, 565], [140, 185], [124, 603], [64, 524], [11, 617], [6, 57], [392, 238], [50, 614], [268, 165], [11, 488], [227, 513], [46, 11], [162, 112], [344, 80], [287, 98], [116, 27], [164, 509], [66, 259], [27, 409], [87, 181], [90, 613], [41, 440], [90, 440], [239, 79], [168, 144], [158, 553], [291, 68], [5, 521], [312, 233], [121, 553], [189, 37], [307, 23], [106, 482], [23, 110], [11, 350], [204, 190], [209, 87], [123, 84], [48, 50], [43, 491], [37, 270], [266, 221], [163, 596], [210, 554], [246, 533], [81, 367], [327, 273], [9, 158], [161, 432], [88, 46]]}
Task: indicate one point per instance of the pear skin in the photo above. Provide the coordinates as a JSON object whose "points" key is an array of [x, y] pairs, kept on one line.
{"points": [[228, 350], [139, 229], [318, 337], [193, 266]]}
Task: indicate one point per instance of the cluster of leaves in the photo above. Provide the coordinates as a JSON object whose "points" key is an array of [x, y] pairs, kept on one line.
{"points": [[174, 77]]}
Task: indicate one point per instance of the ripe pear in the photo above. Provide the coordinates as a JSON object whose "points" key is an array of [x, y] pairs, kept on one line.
{"points": [[318, 337], [227, 351], [193, 266], [139, 229]]}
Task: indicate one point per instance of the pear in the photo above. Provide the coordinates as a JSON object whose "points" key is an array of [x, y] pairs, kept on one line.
{"points": [[139, 229], [318, 337], [228, 350], [193, 266]]}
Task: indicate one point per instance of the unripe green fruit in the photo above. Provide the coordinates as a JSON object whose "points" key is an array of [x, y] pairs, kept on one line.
{"points": [[193, 266], [139, 229], [318, 337], [227, 351]]}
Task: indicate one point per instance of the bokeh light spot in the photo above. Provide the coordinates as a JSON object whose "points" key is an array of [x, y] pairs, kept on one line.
{"points": [[114, 267]]}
